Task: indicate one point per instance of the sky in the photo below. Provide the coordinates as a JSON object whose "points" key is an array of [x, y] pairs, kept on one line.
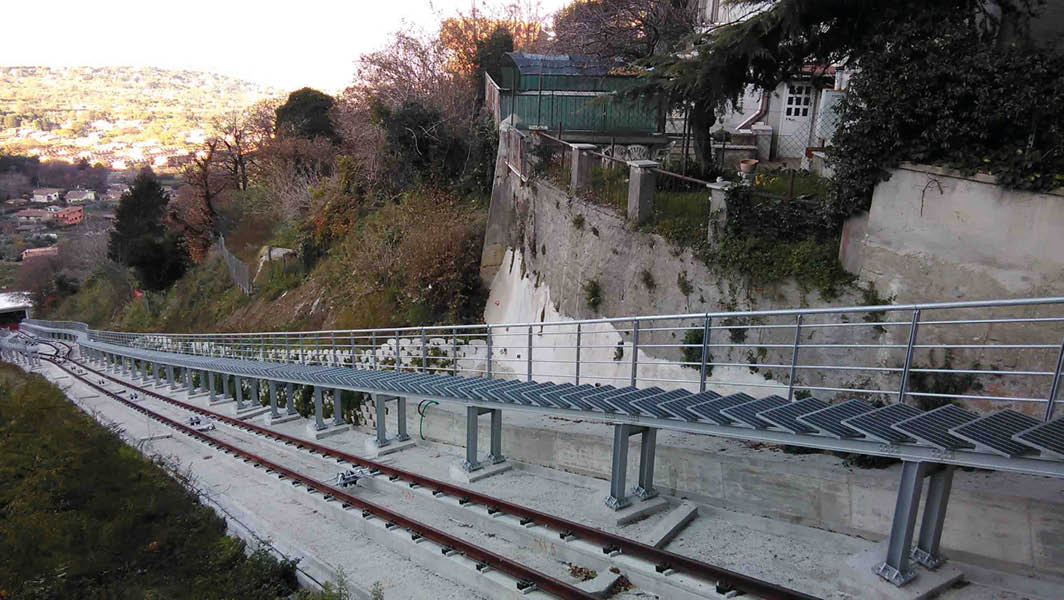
{"points": [[285, 44]]}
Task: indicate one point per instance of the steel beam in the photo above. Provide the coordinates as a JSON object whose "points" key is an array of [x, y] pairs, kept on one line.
{"points": [[896, 569], [927, 551]]}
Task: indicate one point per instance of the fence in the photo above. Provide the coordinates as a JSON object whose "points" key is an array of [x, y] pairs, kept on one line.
{"points": [[239, 271], [985, 354]]}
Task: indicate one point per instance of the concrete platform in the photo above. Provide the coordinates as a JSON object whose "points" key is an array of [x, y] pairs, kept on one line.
{"points": [[372, 451], [486, 470], [219, 400], [317, 434], [863, 582], [671, 524], [271, 420]]}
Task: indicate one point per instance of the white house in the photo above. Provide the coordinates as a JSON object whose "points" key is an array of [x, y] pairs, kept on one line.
{"points": [[79, 196], [45, 195]]}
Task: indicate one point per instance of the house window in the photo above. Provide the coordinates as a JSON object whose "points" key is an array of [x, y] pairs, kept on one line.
{"points": [[799, 100]]}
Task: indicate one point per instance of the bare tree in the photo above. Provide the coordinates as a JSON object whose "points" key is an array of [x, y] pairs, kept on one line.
{"points": [[625, 29]]}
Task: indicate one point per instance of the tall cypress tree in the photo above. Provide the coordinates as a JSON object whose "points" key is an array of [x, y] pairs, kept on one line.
{"points": [[140, 239]]}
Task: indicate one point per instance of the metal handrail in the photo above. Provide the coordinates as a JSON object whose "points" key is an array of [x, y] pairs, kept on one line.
{"points": [[828, 350]]}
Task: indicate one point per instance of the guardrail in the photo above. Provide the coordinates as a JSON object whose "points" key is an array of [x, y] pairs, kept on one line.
{"points": [[239, 271], [984, 353]]}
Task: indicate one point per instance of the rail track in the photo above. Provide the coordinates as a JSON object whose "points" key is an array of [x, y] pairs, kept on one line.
{"points": [[663, 560]]}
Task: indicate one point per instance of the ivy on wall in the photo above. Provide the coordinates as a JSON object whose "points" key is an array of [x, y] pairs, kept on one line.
{"points": [[946, 89]]}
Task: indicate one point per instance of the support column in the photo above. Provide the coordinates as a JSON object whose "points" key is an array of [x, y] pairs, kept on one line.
{"points": [[238, 389], [619, 468], [319, 421], [646, 489], [580, 167], [897, 569], [471, 463], [382, 428], [273, 399], [256, 400], [400, 412], [927, 551], [187, 377], [210, 384], [338, 417], [170, 376], [647, 442], [290, 399], [225, 385], [495, 455]]}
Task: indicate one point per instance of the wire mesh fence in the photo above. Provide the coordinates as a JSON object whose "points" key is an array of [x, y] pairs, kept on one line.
{"points": [[238, 270]]}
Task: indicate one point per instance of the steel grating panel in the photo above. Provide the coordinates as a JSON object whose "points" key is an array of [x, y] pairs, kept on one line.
{"points": [[877, 424], [746, 413], [1048, 437], [709, 409], [933, 426], [498, 393], [554, 397], [829, 420], [786, 416], [527, 394], [575, 397], [994, 432], [628, 404], [662, 402], [603, 400]]}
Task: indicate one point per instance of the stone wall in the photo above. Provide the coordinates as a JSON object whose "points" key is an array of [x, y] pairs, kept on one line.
{"points": [[934, 234]]}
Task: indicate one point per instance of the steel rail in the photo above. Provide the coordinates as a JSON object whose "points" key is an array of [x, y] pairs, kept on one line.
{"points": [[663, 559], [511, 567]]}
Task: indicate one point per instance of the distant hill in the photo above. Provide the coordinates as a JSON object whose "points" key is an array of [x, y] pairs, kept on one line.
{"points": [[114, 115]]}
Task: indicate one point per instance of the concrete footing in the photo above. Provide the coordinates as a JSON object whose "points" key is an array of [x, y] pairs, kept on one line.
{"points": [[251, 412], [272, 420], [639, 509], [864, 582], [318, 434], [672, 524], [219, 400], [373, 451], [460, 475]]}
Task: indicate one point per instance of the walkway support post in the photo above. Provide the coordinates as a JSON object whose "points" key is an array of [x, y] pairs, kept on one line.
{"points": [[290, 398], [210, 384], [273, 398], [897, 568], [473, 413], [238, 389], [380, 402], [618, 499], [319, 421], [338, 416]]}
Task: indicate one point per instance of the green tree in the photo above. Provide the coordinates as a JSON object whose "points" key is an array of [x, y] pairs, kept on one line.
{"points": [[141, 240], [488, 58], [306, 114]]}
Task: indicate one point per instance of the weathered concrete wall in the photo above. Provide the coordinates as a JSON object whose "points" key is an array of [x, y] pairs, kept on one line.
{"points": [[999, 520], [934, 234]]}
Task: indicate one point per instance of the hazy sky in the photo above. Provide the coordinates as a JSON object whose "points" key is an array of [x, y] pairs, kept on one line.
{"points": [[287, 44]]}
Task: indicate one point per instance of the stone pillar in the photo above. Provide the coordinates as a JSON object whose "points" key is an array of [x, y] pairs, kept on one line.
{"points": [[641, 182], [763, 140], [580, 167]]}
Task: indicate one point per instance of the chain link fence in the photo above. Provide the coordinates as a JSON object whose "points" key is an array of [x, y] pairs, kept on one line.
{"points": [[239, 271]]}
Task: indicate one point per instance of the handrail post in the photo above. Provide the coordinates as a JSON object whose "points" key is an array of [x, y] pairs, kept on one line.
{"points": [[373, 343], [1054, 387], [635, 350], [705, 353], [794, 357], [903, 387], [529, 361], [487, 328], [424, 353], [578, 332], [354, 349], [454, 351], [398, 357]]}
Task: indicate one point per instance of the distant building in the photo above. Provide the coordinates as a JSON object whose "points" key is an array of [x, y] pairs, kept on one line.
{"points": [[33, 215], [32, 253], [45, 195], [71, 215], [79, 196]]}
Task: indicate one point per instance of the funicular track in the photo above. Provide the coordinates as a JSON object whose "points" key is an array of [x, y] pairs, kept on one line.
{"points": [[663, 560]]}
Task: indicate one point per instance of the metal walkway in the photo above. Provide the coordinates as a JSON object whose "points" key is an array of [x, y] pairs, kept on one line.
{"points": [[930, 443]]}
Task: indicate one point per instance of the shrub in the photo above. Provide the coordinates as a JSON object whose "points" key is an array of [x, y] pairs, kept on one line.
{"points": [[593, 294], [648, 280], [578, 221]]}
